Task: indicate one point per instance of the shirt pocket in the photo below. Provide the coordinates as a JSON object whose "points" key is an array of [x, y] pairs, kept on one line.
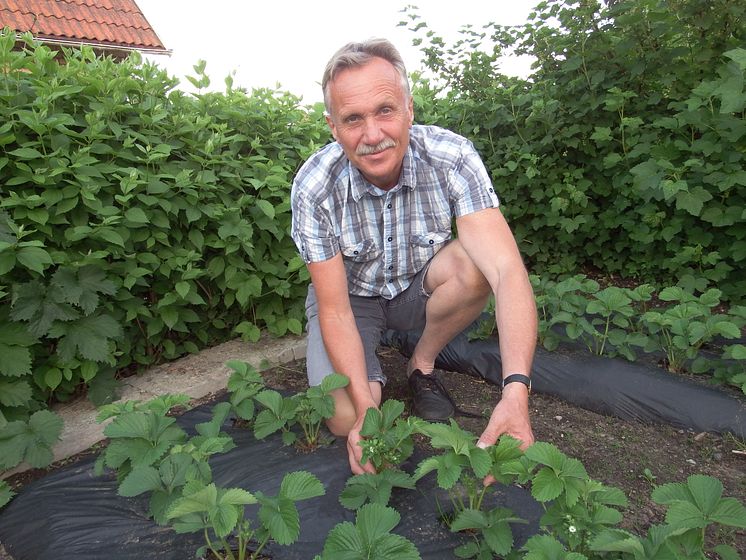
{"points": [[423, 246], [365, 251]]}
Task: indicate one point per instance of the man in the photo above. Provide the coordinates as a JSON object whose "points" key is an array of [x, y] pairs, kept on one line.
{"points": [[372, 217]]}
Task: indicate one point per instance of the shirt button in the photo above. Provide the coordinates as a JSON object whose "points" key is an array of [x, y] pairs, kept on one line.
{"points": [[389, 206], [355, 252], [390, 238], [391, 267], [431, 242]]}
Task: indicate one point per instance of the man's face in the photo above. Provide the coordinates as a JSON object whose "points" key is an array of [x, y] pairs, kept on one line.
{"points": [[370, 118]]}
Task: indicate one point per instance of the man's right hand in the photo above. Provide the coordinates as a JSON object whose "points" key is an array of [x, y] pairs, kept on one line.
{"points": [[355, 452]]}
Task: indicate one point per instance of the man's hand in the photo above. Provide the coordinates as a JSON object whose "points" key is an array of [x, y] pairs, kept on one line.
{"points": [[355, 452], [510, 416]]}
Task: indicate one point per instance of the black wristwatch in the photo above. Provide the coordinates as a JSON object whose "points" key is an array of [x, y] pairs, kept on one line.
{"points": [[518, 378]]}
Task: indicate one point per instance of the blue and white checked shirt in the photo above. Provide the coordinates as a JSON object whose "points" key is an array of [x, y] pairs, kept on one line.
{"points": [[386, 237]]}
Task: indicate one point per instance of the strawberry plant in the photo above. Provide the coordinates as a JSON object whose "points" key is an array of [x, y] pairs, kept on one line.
{"points": [[153, 456], [494, 535], [461, 467], [692, 507], [576, 507], [139, 438], [369, 537], [388, 437], [219, 513], [374, 488], [243, 385], [315, 405], [606, 328], [681, 330], [277, 414]]}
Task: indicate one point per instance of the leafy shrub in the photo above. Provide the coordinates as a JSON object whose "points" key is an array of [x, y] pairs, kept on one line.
{"points": [[624, 149], [137, 222]]}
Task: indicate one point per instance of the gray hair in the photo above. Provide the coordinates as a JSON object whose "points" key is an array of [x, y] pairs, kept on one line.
{"points": [[353, 55]]}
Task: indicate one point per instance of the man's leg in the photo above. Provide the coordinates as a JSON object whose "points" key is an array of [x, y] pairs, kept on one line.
{"points": [[442, 301], [344, 412], [459, 293], [369, 318]]}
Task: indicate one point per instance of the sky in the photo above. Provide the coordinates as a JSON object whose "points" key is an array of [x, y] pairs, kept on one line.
{"points": [[288, 42]]}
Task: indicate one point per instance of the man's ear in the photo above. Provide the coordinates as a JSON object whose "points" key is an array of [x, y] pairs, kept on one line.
{"points": [[330, 123], [410, 108]]}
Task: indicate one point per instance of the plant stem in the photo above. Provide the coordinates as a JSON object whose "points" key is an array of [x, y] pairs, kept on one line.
{"points": [[215, 553]]}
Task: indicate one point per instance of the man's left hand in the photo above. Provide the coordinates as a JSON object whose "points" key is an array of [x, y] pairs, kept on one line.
{"points": [[510, 417]]}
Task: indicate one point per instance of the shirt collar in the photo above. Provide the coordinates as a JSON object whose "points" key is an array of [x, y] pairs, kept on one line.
{"points": [[359, 186]]}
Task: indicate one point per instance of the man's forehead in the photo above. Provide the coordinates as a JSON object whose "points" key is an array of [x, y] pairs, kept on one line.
{"points": [[366, 85]]}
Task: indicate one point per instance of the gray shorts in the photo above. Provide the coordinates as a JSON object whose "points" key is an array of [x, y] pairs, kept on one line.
{"points": [[373, 316]]}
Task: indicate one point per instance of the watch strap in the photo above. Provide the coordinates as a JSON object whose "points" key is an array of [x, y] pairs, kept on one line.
{"points": [[518, 378]]}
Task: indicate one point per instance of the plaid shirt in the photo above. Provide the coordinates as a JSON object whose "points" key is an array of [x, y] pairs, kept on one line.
{"points": [[386, 237]]}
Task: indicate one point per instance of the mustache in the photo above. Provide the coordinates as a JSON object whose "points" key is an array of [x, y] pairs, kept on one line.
{"points": [[367, 149]]}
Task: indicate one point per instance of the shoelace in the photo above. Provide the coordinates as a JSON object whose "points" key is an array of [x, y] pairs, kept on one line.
{"points": [[433, 379]]}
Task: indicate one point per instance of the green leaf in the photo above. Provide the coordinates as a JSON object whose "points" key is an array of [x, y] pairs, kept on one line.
{"points": [[15, 361], [30, 441], [87, 336], [481, 461], [546, 454], [390, 411], [249, 331], [729, 511], [41, 307], [546, 485], [237, 497], [82, 286], [34, 258], [334, 381], [369, 537], [201, 501], [266, 208], [6, 494], [726, 552], [301, 485], [281, 518], [136, 216], [617, 540], [469, 519], [141, 479], [27, 153], [15, 393]]}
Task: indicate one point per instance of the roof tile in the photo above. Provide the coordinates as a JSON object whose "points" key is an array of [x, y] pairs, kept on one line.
{"points": [[106, 22]]}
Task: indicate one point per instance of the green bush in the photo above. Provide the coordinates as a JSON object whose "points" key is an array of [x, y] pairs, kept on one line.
{"points": [[624, 150], [137, 223]]}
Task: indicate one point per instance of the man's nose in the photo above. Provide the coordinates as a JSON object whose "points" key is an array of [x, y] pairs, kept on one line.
{"points": [[372, 133]]}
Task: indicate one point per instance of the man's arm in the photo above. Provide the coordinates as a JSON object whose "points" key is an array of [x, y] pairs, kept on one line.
{"points": [[343, 346], [486, 237]]}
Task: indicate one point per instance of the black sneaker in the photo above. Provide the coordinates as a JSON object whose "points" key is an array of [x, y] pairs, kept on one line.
{"points": [[431, 399]]}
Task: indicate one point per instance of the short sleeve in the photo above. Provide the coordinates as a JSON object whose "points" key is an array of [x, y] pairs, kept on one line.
{"points": [[312, 231], [470, 186]]}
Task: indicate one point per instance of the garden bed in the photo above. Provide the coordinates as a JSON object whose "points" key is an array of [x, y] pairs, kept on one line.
{"points": [[632, 456]]}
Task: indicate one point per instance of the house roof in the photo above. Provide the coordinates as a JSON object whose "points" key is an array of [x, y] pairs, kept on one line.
{"points": [[117, 24]]}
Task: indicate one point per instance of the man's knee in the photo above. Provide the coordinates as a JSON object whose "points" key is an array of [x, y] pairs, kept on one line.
{"points": [[453, 264], [344, 411]]}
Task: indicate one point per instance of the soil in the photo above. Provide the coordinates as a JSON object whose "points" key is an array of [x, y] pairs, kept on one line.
{"points": [[631, 456]]}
